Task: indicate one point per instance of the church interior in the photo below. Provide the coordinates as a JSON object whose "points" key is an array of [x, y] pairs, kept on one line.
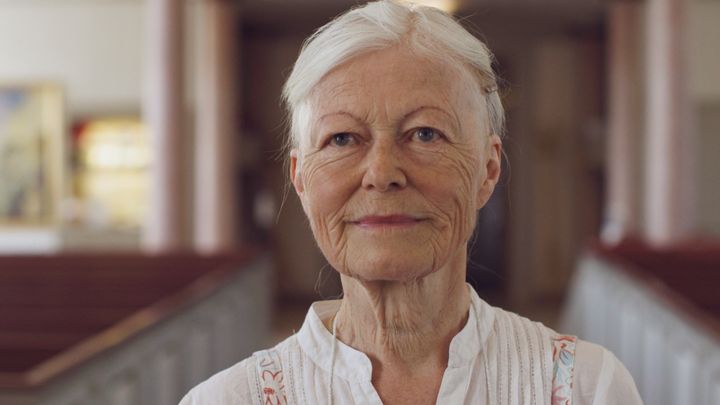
{"points": [[149, 235]]}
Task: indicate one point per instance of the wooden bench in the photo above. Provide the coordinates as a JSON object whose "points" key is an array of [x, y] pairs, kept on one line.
{"points": [[63, 315], [658, 310], [685, 276]]}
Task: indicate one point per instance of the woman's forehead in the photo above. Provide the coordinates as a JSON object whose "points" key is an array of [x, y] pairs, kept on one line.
{"points": [[393, 81]]}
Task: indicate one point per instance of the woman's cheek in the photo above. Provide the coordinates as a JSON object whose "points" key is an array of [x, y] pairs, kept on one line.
{"points": [[318, 187], [454, 190], [327, 193]]}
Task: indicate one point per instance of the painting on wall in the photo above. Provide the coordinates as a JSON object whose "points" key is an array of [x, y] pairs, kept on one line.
{"points": [[112, 177], [31, 154]]}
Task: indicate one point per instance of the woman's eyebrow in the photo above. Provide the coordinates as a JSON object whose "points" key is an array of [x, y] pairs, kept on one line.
{"points": [[409, 115], [341, 112], [315, 125], [404, 118]]}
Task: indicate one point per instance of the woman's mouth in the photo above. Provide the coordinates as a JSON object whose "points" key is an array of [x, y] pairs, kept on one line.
{"points": [[385, 221]]}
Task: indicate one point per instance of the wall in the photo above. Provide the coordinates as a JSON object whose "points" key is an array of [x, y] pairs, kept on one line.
{"points": [[704, 84], [94, 49], [552, 91], [533, 267], [298, 261], [704, 58]]}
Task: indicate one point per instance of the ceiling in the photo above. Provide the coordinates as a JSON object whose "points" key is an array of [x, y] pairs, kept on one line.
{"points": [[283, 16]]}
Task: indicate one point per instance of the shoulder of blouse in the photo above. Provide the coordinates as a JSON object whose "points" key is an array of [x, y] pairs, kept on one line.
{"points": [[600, 378], [237, 384], [230, 386]]}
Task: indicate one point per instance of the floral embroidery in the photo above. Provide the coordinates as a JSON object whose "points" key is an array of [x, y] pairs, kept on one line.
{"points": [[271, 377], [563, 365]]}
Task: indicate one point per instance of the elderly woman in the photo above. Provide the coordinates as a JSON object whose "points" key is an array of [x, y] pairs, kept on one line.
{"points": [[396, 144]]}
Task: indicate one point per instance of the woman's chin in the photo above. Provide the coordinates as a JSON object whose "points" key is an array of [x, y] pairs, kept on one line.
{"points": [[375, 266]]}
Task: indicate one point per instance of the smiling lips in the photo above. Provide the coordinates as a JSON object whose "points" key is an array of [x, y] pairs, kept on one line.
{"points": [[382, 221]]}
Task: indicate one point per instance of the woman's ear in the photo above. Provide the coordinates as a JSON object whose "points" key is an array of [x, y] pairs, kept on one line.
{"points": [[493, 156], [295, 176]]}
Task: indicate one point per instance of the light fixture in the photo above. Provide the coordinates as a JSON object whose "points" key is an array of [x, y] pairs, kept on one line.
{"points": [[448, 6]]}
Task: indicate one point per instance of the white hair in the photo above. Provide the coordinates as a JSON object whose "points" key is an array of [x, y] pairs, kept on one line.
{"points": [[381, 25]]}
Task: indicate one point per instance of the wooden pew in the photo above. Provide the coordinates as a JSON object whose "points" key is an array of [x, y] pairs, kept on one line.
{"points": [[658, 310], [71, 324]]}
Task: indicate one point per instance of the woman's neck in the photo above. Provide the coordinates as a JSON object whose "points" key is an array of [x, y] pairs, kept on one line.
{"points": [[405, 327]]}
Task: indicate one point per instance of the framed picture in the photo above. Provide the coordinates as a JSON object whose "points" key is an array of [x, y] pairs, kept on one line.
{"points": [[32, 154], [112, 174]]}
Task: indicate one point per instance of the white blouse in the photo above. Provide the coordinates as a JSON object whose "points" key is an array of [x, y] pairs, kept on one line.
{"points": [[498, 358]]}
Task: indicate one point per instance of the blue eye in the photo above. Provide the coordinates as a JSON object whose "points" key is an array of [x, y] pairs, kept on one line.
{"points": [[341, 139], [426, 134]]}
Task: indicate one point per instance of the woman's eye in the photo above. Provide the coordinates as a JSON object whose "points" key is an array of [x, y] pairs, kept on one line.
{"points": [[426, 134], [341, 139]]}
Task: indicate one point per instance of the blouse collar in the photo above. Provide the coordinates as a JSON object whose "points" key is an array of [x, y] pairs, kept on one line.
{"points": [[351, 364]]}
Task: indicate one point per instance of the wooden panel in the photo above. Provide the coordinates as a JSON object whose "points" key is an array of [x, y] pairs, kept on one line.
{"points": [[688, 272], [638, 302], [51, 304]]}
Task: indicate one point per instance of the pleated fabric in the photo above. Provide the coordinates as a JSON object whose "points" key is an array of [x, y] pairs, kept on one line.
{"points": [[498, 358]]}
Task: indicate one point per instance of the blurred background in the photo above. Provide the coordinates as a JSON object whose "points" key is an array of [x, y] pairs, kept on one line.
{"points": [[148, 237]]}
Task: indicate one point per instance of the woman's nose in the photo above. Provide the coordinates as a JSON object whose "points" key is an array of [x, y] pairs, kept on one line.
{"points": [[383, 170]]}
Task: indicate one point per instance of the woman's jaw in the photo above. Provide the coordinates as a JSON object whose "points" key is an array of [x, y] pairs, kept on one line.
{"points": [[409, 320], [392, 170]]}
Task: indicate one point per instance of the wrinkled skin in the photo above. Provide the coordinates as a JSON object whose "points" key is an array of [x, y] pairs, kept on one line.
{"points": [[368, 153], [395, 134]]}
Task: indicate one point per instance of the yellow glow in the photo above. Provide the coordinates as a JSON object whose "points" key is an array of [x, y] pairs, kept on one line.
{"points": [[448, 6], [112, 178], [115, 144]]}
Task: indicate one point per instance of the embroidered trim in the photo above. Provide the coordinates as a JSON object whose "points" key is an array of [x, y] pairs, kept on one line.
{"points": [[272, 386], [563, 367]]}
